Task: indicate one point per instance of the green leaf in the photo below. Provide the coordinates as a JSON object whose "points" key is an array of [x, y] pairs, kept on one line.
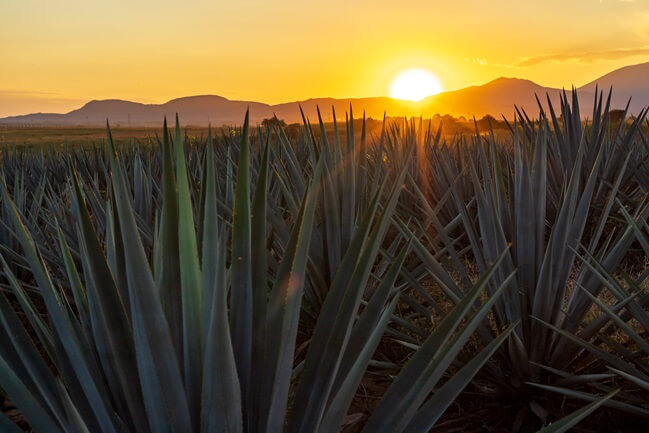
{"points": [[65, 333], [260, 289], [191, 282], [167, 272], [434, 408], [569, 421], [420, 374], [109, 321], [283, 315], [160, 378], [241, 270], [221, 397], [39, 419]]}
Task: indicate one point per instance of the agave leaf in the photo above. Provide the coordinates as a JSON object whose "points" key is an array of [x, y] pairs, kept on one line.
{"points": [[599, 352], [34, 372], [348, 196], [367, 323], [160, 378], [191, 282], [333, 328], [284, 311], [241, 270], [569, 379], [343, 394], [114, 246], [210, 233], [61, 321], [39, 419], [27, 306], [569, 421], [331, 214], [628, 330], [259, 282], [435, 407], [221, 397], [412, 385], [614, 404], [644, 384], [110, 324], [78, 292], [168, 269]]}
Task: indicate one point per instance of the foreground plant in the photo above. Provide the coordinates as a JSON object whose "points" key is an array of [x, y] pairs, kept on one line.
{"points": [[616, 337], [556, 194], [204, 340]]}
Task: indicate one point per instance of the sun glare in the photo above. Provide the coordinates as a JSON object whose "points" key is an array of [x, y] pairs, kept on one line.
{"points": [[414, 85]]}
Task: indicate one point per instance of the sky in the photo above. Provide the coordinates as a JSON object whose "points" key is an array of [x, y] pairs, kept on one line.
{"points": [[57, 55]]}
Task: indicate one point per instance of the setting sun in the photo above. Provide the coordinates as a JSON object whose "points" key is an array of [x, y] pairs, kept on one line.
{"points": [[415, 85]]}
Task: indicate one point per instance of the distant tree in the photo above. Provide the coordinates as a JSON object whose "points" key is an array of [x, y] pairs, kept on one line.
{"points": [[489, 121], [267, 123], [616, 116], [293, 131]]}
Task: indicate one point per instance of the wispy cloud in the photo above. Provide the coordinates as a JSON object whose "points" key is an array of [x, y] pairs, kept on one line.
{"points": [[28, 93], [476, 60], [585, 57], [481, 61]]}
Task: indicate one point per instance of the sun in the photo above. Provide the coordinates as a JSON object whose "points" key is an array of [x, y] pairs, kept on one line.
{"points": [[414, 85]]}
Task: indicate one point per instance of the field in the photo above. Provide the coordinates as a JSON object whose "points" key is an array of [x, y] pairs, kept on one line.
{"points": [[375, 277], [52, 136], [44, 136]]}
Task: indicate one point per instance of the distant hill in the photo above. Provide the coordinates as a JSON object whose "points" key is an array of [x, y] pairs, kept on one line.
{"points": [[627, 82], [196, 110], [496, 97]]}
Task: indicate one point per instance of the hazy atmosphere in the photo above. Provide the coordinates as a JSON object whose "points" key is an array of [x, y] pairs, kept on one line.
{"points": [[58, 55]]}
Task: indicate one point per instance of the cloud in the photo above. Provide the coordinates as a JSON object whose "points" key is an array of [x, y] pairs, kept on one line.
{"points": [[585, 57], [476, 60], [481, 61], [27, 93]]}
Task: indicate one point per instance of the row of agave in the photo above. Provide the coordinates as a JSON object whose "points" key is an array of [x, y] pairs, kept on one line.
{"points": [[246, 282]]}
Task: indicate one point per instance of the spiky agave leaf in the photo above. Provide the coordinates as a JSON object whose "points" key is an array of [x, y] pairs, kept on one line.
{"points": [[158, 367]]}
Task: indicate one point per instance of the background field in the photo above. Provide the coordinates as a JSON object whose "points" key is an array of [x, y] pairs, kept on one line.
{"points": [[35, 136]]}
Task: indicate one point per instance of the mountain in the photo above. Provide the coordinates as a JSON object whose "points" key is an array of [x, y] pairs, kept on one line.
{"points": [[627, 82], [497, 97], [196, 110]]}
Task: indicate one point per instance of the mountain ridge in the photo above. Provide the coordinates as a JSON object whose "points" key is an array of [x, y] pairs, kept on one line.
{"points": [[497, 97]]}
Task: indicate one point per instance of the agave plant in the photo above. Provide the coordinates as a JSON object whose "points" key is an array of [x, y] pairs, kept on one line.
{"points": [[616, 337], [546, 211], [204, 339], [349, 181]]}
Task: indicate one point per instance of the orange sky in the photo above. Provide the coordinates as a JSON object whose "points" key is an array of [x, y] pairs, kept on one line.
{"points": [[57, 55]]}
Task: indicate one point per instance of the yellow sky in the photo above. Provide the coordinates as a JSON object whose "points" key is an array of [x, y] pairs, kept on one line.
{"points": [[55, 55]]}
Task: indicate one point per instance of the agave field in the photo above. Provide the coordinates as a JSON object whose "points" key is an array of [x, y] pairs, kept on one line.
{"points": [[406, 281]]}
